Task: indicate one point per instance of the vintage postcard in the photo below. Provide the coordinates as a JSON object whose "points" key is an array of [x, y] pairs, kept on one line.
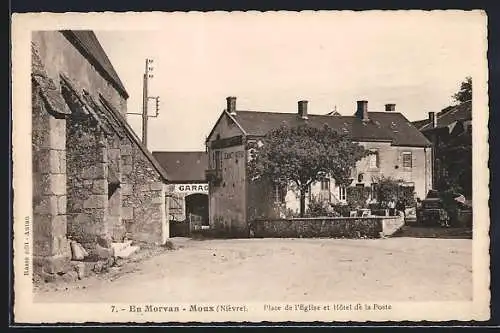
{"points": [[250, 166]]}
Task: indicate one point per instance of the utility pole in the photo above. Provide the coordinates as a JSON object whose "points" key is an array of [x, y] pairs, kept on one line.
{"points": [[145, 102], [145, 99]]}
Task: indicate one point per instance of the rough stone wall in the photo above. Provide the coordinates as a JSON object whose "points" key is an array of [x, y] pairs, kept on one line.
{"points": [[143, 196], [115, 199], [76, 158], [87, 184], [51, 248], [345, 227]]}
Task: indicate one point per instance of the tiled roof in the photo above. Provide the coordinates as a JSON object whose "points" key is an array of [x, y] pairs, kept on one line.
{"points": [[88, 44], [448, 116], [420, 123], [382, 126], [183, 166]]}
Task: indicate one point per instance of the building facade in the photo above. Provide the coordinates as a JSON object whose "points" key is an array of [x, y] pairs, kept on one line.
{"points": [[399, 150], [94, 182], [450, 132]]}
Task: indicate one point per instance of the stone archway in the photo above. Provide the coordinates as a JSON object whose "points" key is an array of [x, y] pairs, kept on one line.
{"points": [[197, 205]]}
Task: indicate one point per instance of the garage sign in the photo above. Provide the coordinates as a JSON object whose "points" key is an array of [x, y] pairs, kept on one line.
{"points": [[191, 188]]}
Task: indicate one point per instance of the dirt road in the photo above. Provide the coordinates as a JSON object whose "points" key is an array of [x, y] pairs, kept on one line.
{"points": [[397, 269]]}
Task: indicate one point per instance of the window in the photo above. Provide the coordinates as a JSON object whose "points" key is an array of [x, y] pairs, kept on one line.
{"points": [[342, 193], [407, 160], [373, 160], [280, 193], [218, 160], [325, 184]]}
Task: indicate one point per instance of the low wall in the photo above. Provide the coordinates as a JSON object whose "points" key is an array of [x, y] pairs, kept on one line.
{"points": [[333, 227]]}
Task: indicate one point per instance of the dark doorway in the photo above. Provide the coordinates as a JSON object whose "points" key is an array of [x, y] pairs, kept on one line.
{"points": [[197, 205]]}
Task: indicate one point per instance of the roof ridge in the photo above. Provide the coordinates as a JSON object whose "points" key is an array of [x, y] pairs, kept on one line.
{"points": [[445, 112], [105, 66], [292, 113]]}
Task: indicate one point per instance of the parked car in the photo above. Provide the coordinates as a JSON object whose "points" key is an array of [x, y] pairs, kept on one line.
{"points": [[431, 211]]}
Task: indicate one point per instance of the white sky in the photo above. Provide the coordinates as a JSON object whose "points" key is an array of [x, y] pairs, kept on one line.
{"points": [[270, 61]]}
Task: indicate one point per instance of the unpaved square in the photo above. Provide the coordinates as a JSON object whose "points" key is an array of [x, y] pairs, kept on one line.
{"points": [[258, 270]]}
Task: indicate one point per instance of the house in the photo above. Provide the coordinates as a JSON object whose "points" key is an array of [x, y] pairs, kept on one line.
{"points": [[450, 132], [94, 181], [187, 191], [400, 151]]}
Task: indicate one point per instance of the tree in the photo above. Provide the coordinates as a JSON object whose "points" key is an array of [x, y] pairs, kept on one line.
{"points": [[456, 159], [465, 92], [303, 155]]}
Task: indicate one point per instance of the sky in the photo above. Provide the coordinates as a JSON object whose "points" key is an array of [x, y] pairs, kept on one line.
{"points": [[271, 61]]}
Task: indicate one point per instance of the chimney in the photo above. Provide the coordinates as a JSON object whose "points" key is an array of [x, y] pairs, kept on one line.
{"points": [[390, 107], [303, 109], [231, 105], [432, 119], [362, 111]]}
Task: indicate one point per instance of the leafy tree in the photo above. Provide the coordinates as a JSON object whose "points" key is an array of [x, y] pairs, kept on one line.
{"points": [[465, 92], [303, 155], [457, 179]]}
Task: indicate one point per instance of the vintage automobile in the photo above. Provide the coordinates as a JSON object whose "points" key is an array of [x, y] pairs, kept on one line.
{"points": [[432, 212]]}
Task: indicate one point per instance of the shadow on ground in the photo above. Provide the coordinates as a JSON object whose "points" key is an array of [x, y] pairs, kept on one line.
{"points": [[434, 232]]}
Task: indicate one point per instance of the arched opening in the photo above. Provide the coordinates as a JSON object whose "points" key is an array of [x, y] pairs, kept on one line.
{"points": [[197, 207]]}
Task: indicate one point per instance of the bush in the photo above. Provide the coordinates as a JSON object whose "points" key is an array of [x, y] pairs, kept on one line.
{"points": [[389, 189], [375, 206], [357, 196], [290, 213], [342, 209], [320, 208], [407, 196]]}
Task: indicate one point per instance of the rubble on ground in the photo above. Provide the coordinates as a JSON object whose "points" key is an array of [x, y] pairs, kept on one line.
{"points": [[103, 258]]}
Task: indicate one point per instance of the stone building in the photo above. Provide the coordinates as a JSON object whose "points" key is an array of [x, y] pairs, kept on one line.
{"points": [[400, 151], [450, 132], [187, 189], [93, 180]]}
